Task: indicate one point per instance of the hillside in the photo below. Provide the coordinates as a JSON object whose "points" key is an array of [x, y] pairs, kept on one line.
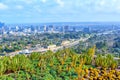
{"points": [[62, 65]]}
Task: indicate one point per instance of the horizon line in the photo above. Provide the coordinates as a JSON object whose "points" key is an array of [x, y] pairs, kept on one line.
{"points": [[63, 22]]}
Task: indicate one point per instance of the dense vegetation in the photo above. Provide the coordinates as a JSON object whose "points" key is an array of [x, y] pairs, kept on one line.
{"points": [[106, 43], [11, 43], [61, 65]]}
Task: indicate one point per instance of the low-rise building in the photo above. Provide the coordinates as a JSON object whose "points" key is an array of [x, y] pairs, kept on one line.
{"points": [[65, 43], [26, 51], [51, 47]]}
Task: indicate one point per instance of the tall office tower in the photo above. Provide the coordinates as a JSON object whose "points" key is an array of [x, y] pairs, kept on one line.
{"points": [[113, 27], [29, 30], [52, 28], [45, 28], [17, 28], [74, 29], [38, 28], [3, 30], [1, 24], [86, 29], [62, 29], [9, 28], [66, 28]]}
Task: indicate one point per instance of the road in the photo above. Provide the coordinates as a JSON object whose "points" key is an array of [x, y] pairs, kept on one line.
{"points": [[54, 49], [61, 47]]}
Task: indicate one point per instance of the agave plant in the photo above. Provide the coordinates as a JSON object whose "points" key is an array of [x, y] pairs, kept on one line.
{"points": [[98, 60], [34, 56], [87, 59], [26, 64], [91, 51], [14, 64], [105, 63], [7, 62], [110, 59], [114, 64], [2, 68], [79, 70]]}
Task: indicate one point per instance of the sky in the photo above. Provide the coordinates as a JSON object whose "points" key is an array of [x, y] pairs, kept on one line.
{"points": [[42, 11]]}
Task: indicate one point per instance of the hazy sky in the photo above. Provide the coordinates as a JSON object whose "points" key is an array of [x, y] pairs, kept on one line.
{"points": [[34, 11]]}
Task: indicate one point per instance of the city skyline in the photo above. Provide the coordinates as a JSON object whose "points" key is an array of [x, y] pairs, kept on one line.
{"points": [[43, 11]]}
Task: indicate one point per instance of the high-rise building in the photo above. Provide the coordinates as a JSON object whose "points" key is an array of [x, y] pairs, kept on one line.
{"points": [[44, 28], [74, 29], [66, 28], [51, 28], [17, 28], [2, 28], [1, 24], [62, 29], [86, 29]]}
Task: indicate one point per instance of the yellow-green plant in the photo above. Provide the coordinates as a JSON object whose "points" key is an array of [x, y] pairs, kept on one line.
{"points": [[104, 61], [114, 64], [91, 51], [79, 70], [98, 60], [87, 59], [34, 56], [2, 68], [14, 64], [7, 62]]}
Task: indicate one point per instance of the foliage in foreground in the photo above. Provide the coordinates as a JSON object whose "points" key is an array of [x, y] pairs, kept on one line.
{"points": [[62, 65]]}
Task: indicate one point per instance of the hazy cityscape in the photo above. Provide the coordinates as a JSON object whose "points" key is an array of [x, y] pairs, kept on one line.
{"points": [[59, 39], [54, 28], [24, 29]]}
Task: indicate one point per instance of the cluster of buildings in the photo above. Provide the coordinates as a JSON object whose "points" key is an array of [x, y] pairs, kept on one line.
{"points": [[33, 29], [26, 29]]}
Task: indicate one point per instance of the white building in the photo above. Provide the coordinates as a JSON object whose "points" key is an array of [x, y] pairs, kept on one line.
{"points": [[65, 43], [51, 47]]}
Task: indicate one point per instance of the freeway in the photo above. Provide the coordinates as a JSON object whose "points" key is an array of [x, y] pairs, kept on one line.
{"points": [[58, 48], [70, 44], [61, 47], [54, 49]]}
